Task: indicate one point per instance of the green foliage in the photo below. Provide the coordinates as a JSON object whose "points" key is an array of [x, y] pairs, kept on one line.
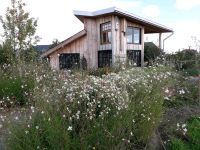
{"points": [[15, 90], [117, 111], [177, 144], [194, 132], [186, 60], [19, 29], [192, 72], [102, 71], [193, 136], [183, 91], [55, 42], [7, 56], [50, 134], [151, 52]]}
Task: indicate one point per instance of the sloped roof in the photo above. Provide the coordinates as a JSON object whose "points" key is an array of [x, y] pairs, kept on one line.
{"points": [[65, 42], [150, 26]]}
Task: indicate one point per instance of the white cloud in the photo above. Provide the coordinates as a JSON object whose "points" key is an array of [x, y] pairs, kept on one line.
{"points": [[151, 11], [186, 4]]}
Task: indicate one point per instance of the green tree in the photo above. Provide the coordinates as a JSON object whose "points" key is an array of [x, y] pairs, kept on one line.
{"points": [[55, 42], [19, 29], [151, 52], [6, 55]]}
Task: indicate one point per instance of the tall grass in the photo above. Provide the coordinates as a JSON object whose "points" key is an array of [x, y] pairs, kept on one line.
{"points": [[191, 133], [115, 111]]}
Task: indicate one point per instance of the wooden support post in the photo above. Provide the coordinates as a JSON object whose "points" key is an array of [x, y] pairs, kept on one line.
{"points": [[160, 41]]}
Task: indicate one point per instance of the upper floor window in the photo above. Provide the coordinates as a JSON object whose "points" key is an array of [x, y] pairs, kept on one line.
{"points": [[105, 32], [133, 35]]}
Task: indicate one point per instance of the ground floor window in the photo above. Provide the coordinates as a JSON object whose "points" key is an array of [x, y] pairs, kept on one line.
{"points": [[69, 61], [104, 58], [134, 57]]}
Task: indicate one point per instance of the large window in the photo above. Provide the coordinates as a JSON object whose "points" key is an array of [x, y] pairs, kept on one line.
{"points": [[104, 58], [133, 35], [105, 33], [134, 57], [69, 61]]}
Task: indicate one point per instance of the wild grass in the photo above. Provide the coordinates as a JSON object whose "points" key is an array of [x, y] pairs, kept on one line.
{"points": [[115, 111], [191, 141]]}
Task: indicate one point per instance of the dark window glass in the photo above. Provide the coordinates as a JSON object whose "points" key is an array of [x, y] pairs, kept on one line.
{"points": [[133, 35], [105, 30], [104, 58], [69, 61], [134, 57]]}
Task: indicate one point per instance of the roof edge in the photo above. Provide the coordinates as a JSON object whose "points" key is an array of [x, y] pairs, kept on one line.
{"points": [[81, 14], [65, 42]]}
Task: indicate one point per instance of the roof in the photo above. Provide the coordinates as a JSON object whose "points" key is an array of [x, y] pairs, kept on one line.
{"points": [[65, 42], [150, 26], [41, 48]]}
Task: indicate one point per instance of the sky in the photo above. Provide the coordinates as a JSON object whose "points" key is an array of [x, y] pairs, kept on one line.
{"points": [[57, 21]]}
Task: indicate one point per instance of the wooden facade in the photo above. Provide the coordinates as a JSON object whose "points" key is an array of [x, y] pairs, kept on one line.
{"points": [[88, 43]]}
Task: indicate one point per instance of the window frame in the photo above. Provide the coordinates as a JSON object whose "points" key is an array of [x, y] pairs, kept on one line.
{"points": [[108, 58], [106, 31], [73, 58], [134, 56], [133, 29]]}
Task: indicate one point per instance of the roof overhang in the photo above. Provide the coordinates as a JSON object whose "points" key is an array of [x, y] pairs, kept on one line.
{"points": [[64, 43], [150, 26]]}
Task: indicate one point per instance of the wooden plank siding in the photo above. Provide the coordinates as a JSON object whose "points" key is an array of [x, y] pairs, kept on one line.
{"points": [[77, 46], [93, 40], [89, 44]]}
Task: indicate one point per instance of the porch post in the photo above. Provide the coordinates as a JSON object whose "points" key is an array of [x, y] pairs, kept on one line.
{"points": [[160, 41], [142, 51]]}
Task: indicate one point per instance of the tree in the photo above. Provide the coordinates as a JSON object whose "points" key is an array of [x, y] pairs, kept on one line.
{"points": [[19, 29], [6, 56], [55, 42], [151, 52]]}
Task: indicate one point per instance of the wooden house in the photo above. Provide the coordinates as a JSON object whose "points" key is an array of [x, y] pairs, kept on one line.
{"points": [[109, 35]]}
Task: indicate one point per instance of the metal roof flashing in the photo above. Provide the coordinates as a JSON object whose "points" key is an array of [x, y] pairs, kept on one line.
{"points": [[118, 11]]}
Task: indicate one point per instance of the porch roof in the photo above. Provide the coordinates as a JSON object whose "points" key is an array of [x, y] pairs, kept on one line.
{"points": [[150, 26]]}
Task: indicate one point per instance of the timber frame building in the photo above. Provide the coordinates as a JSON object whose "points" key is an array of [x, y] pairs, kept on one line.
{"points": [[109, 35]]}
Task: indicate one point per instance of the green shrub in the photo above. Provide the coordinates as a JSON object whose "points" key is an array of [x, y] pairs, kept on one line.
{"points": [[177, 144], [102, 71], [192, 72], [184, 91], [193, 135], [41, 133], [15, 91]]}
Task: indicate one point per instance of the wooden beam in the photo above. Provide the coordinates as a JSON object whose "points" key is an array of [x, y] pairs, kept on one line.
{"points": [[160, 41]]}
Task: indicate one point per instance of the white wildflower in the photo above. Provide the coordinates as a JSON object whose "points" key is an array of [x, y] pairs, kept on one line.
{"points": [[69, 128]]}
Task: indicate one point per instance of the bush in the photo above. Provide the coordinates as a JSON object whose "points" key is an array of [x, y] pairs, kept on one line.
{"points": [[192, 72], [102, 71], [192, 132], [117, 111], [14, 91], [177, 144], [183, 91]]}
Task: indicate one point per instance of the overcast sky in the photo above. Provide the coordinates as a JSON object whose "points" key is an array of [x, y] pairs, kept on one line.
{"points": [[56, 19]]}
